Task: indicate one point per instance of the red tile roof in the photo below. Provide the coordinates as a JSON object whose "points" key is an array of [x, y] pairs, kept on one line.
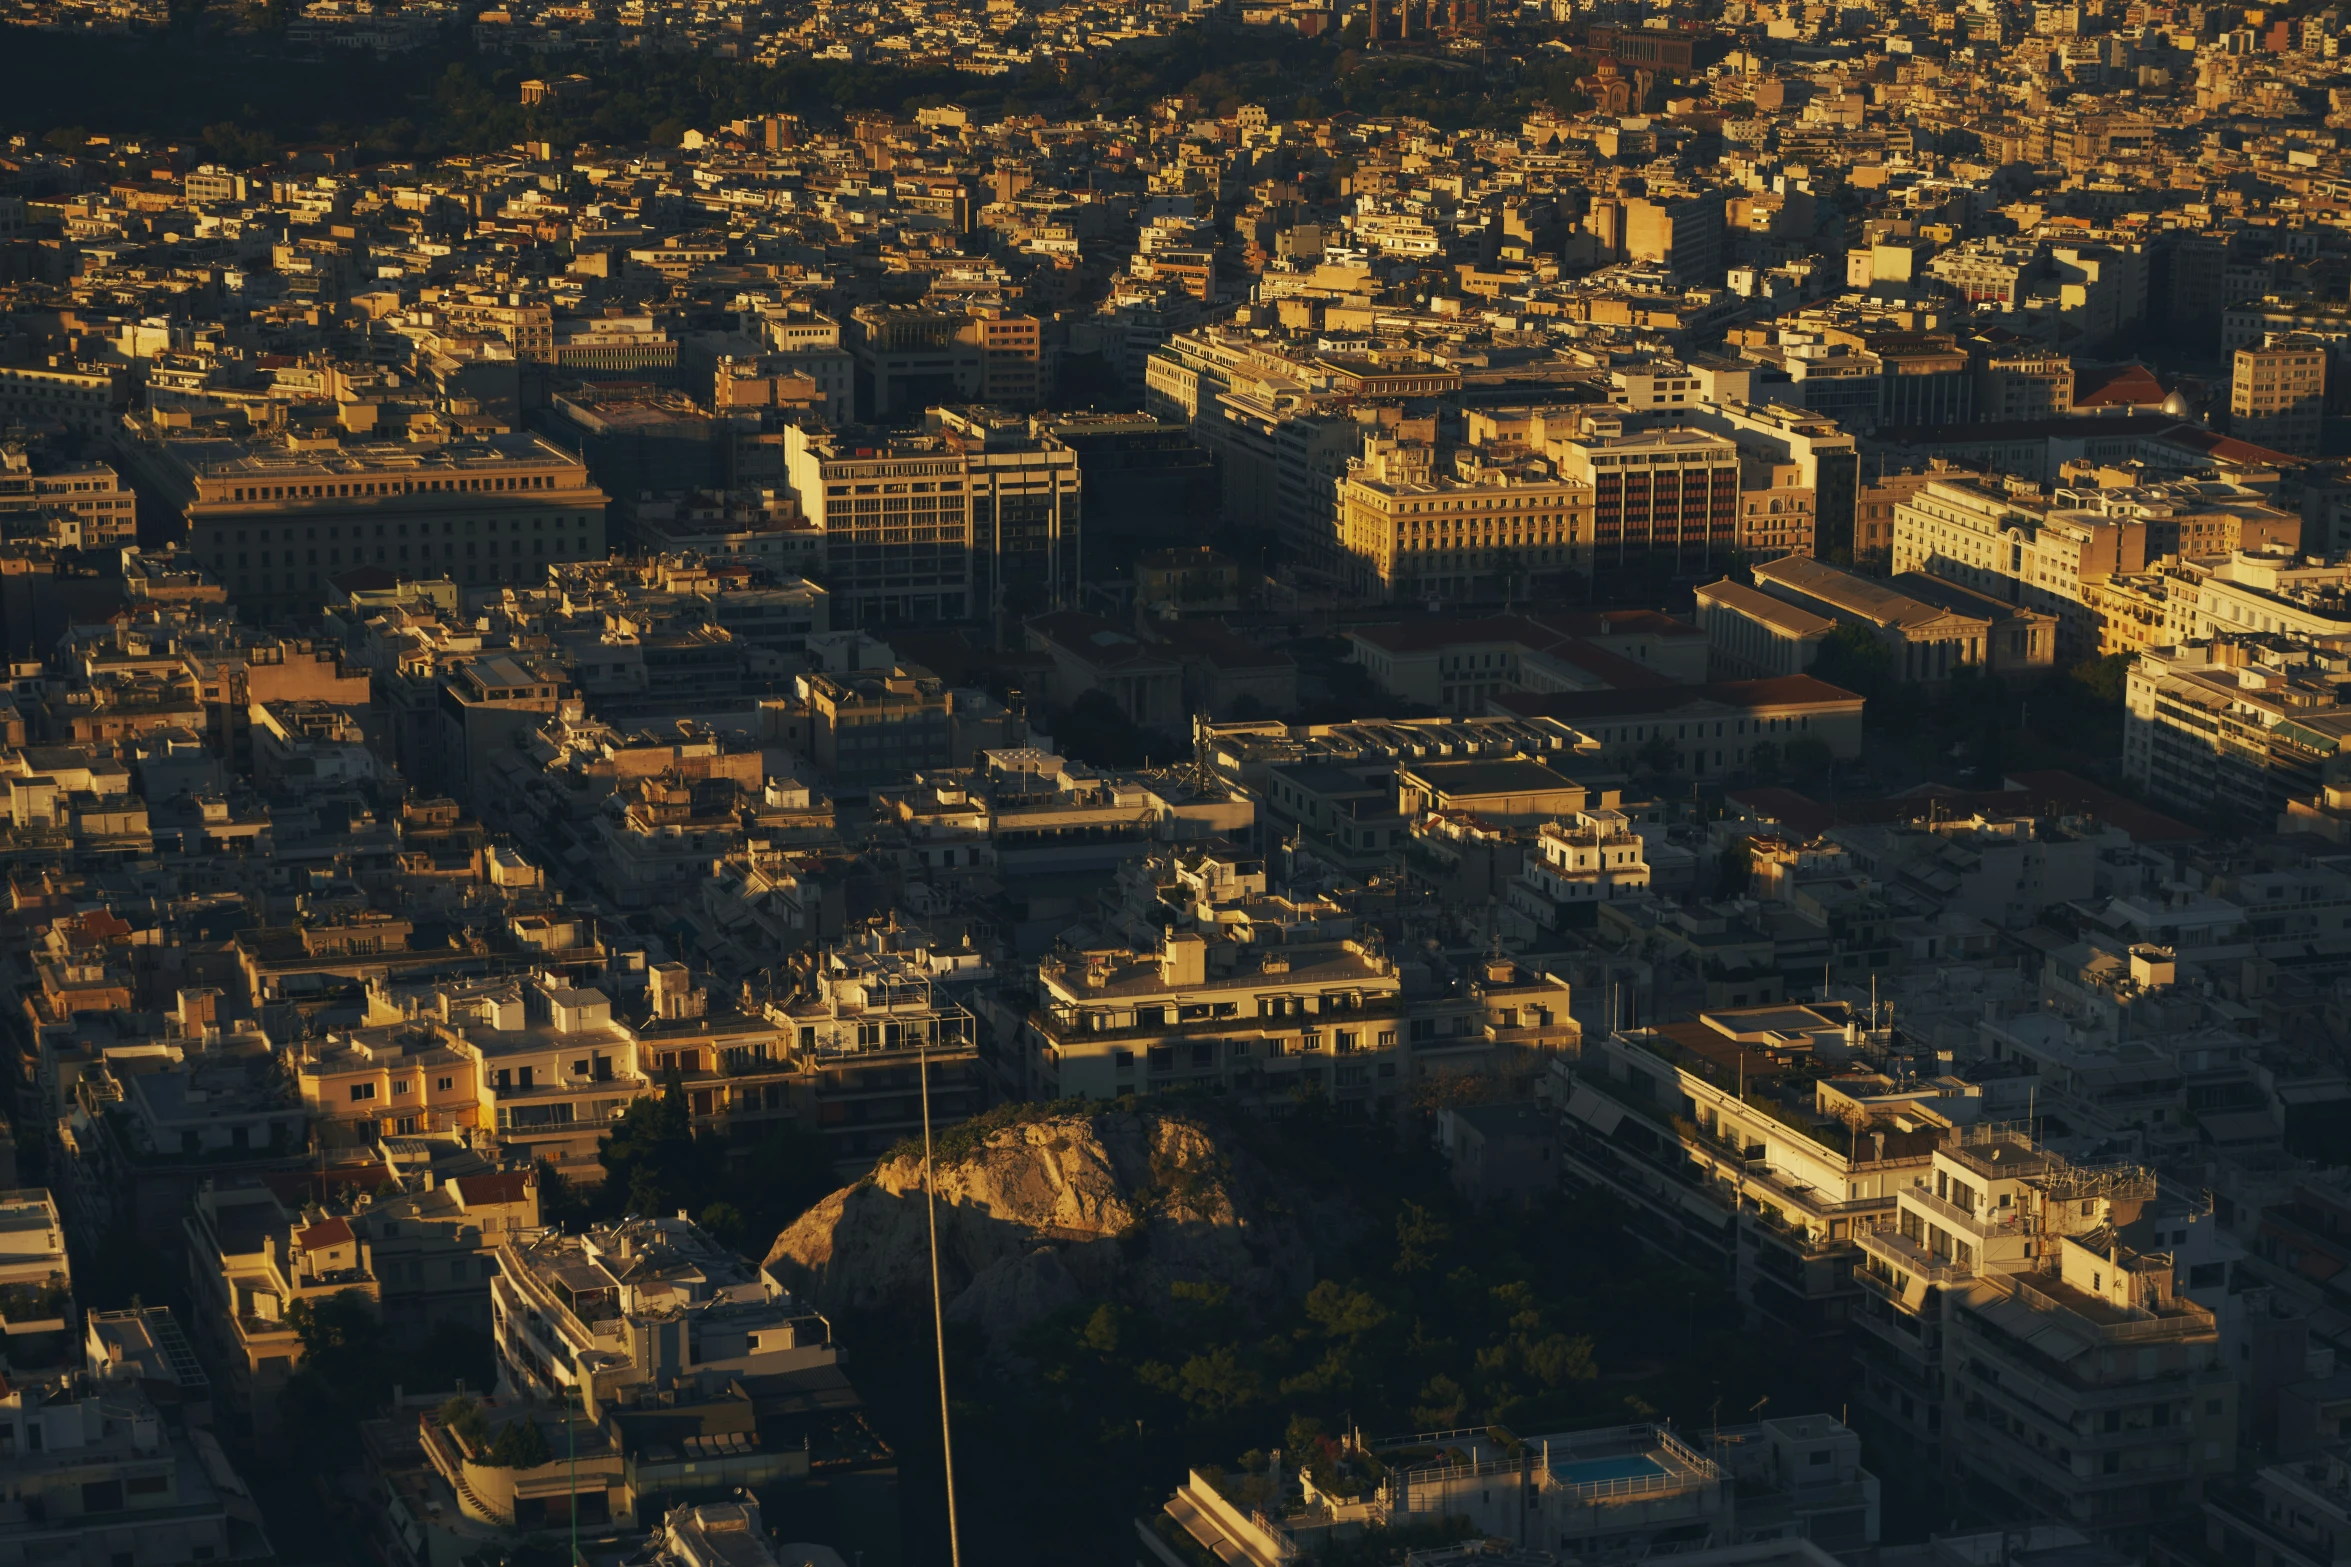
{"points": [[2118, 386], [477, 1191], [325, 1233]]}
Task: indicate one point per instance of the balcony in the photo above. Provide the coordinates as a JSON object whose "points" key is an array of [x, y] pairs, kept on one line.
{"points": [[1900, 1252], [2011, 1223]]}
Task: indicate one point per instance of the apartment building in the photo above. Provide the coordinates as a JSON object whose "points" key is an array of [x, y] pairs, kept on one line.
{"points": [[2268, 592], [98, 1466], [910, 357], [1776, 1493], [2277, 393], [92, 507], [2291, 1514], [638, 1302], [868, 1026], [1774, 1166], [2023, 381], [1322, 1012], [83, 401], [249, 1260], [2188, 518], [433, 1247], [274, 523], [1819, 448], [1280, 451], [701, 1382], [2239, 723], [875, 727], [1991, 1203], [1022, 812], [37, 1313], [1775, 510], [2090, 1389], [1574, 866]]}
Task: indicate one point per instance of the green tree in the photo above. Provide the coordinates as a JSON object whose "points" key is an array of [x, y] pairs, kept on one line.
{"points": [[1096, 729], [1443, 1405], [561, 1202], [1808, 757], [651, 1152], [1420, 1236], [2103, 679], [1659, 755], [1851, 658], [346, 1371], [1217, 1383], [463, 1417], [519, 1444]]}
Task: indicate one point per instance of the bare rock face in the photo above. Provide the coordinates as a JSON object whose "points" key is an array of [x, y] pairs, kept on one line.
{"points": [[1041, 1212]]}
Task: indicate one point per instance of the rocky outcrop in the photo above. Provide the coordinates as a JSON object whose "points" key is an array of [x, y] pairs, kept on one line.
{"points": [[1042, 1213]]}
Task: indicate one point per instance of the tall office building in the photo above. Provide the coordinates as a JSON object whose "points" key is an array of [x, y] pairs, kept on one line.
{"points": [[2277, 393], [1660, 498]]}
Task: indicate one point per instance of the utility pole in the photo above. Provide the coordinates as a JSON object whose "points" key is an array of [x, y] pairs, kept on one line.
{"points": [[930, 1195]]}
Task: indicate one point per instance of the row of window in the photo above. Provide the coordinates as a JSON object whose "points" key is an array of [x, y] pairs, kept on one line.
{"points": [[360, 488]]}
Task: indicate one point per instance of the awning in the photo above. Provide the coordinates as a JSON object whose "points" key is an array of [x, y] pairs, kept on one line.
{"points": [[1596, 1109]]}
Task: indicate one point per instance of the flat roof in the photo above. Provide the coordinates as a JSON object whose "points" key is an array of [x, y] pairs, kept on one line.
{"points": [[1511, 775]]}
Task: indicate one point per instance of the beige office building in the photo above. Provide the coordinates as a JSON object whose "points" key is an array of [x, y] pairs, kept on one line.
{"points": [[1409, 531], [2277, 393], [275, 522]]}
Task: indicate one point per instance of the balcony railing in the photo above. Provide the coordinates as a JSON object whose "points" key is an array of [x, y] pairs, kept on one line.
{"points": [[2012, 1222], [1898, 1250], [2185, 1317], [1070, 1023]]}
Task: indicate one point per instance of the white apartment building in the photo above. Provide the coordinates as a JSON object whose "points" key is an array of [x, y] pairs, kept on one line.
{"points": [[614, 1310], [1573, 866], [2243, 723], [1227, 1006], [36, 1283], [1793, 1173]]}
